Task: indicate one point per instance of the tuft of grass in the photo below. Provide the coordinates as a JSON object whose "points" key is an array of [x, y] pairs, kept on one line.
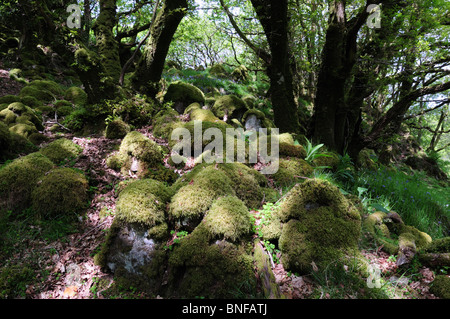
{"points": [[420, 203]]}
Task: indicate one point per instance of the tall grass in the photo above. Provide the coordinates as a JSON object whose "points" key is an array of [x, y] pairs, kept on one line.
{"points": [[420, 203]]}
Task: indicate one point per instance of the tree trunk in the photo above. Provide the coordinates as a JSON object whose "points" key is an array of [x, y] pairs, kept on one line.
{"points": [[108, 48], [273, 15], [150, 66]]}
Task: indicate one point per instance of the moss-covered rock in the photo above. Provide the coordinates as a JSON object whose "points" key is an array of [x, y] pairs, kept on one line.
{"points": [[367, 159], [182, 95], [63, 191], [23, 129], [441, 286], [228, 218], [31, 101], [193, 200], [76, 95], [218, 70], [240, 74], [19, 178], [320, 225], [254, 119], [143, 202], [229, 107], [291, 170], [8, 99], [164, 122], [42, 90], [377, 230], [61, 150], [117, 129], [18, 112], [137, 154], [196, 141], [201, 267], [17, 75], [290, 150]]}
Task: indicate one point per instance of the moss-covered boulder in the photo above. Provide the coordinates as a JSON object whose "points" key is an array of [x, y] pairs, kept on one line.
{"points": [[218, 70], [117, 129], [228, 218], [8, 99], [61, 150], [19, 113], [134, 245], [240, 74], [254, 119], [436, 254], [19, 178], [144, 202], [196, 139], [137, 155], [182, 95], [217, 269], [43, 90], [319, 226], [291, 170], [164, 122], [440, 286], [63, 191], [367, 159], [76, 95], [229, 107], [193, 200]]}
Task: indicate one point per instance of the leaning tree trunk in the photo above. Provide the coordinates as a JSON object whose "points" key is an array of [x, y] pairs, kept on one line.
{"points": [[150, 66]]}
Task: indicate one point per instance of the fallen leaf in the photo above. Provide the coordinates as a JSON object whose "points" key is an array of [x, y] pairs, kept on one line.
{"points": [[70, 291]]}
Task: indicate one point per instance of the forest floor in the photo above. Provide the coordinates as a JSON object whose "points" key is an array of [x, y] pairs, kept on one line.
{"points": [[68, 263]]}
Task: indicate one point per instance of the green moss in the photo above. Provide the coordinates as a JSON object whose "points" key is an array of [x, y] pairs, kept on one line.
{"points": [[204, 115], [164, 122], [291, 170], [183, 95], [41, 95], [5, 140], [193, 106], [62, 191], [8, 99], [23, 129], [76, 95], [412, 234], [441, 286], [19, 178], [143, 202], [230, 106], [366, 159], [61, 150], [218, 70], [440, 245], [217, 270], [247, 183], [228, 218], [137, 145], [321, 225], [16, 75], [117, 129], [20, 113], [191, 126], [31, 101], [290, 150], [240, 74], [194, 199]]}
